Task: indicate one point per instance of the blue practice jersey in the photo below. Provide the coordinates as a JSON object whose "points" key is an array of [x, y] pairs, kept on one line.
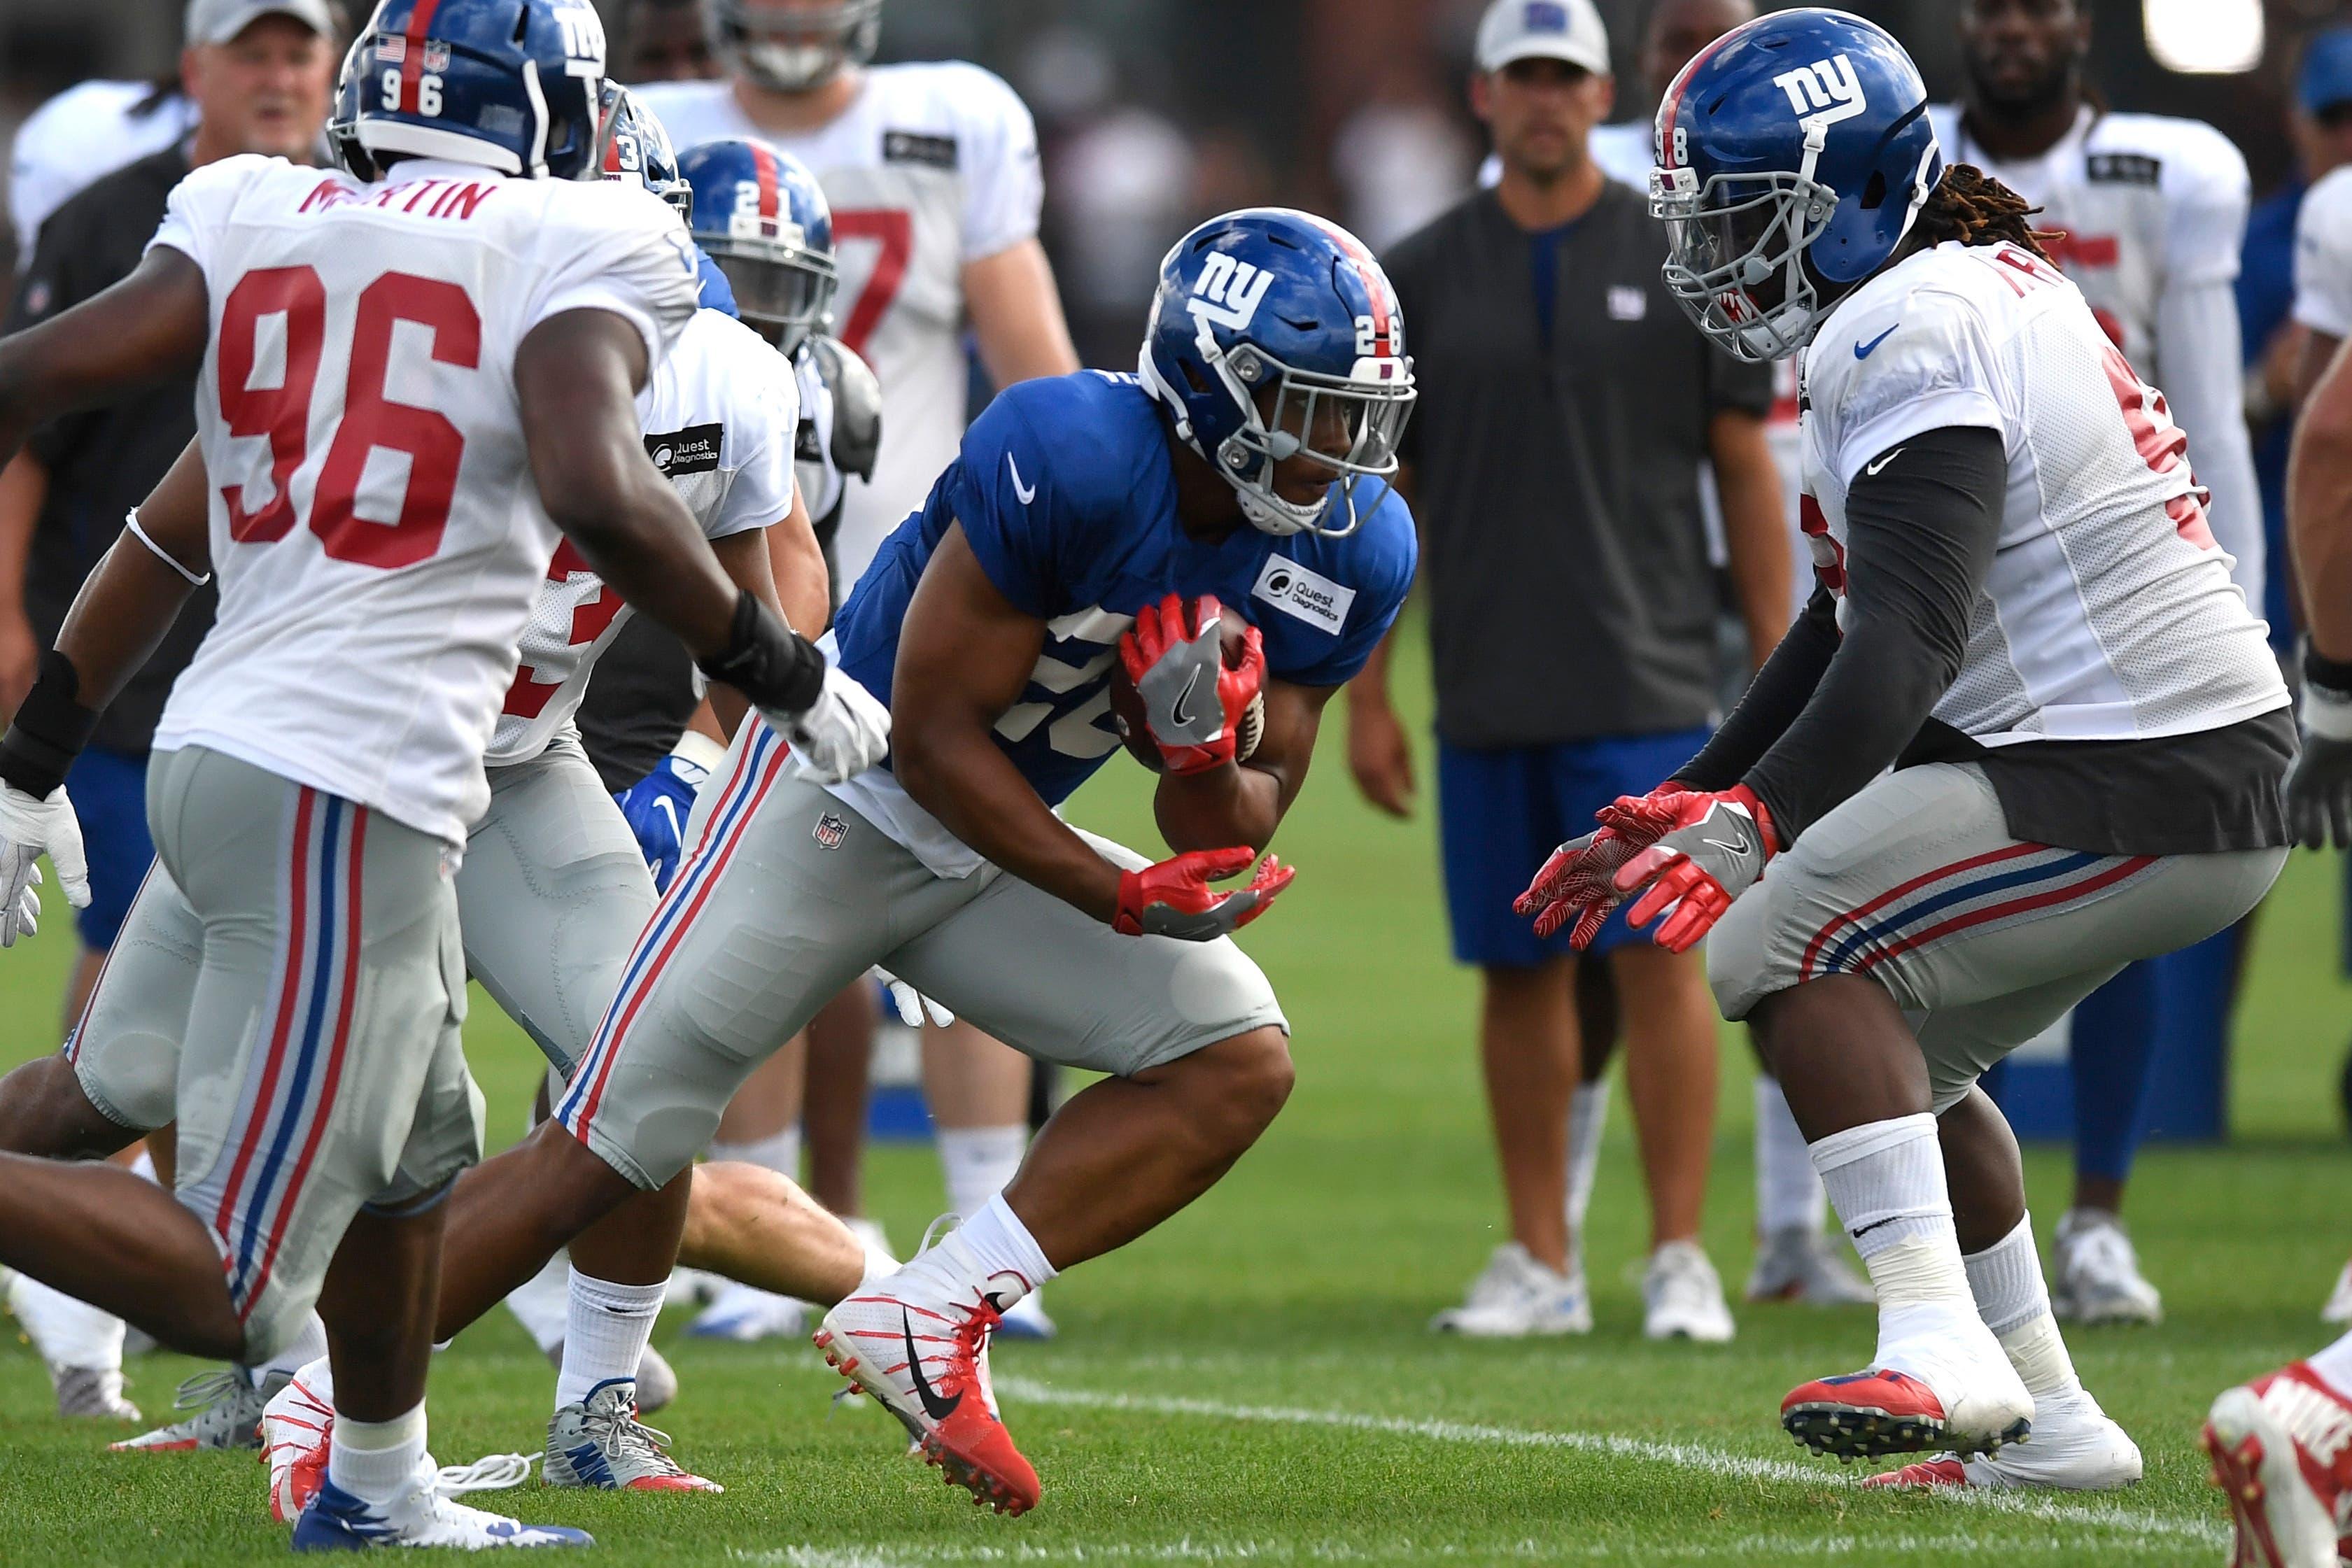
{"points": [[1066, 491]]}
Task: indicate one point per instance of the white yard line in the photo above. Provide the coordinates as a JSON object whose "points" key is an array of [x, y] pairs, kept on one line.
{"points": [[1680, 1456]]}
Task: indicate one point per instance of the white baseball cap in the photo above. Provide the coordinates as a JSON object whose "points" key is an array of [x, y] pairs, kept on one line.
{"points": [[1568, 30], [218, 21]]}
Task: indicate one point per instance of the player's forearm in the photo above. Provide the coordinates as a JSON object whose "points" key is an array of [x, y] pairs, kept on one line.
{"points": [[118, 618], [23, 490], [1771, 702], [2201, 350], [1016, 315], [804, 587], [1369, 692], [2319, 511], [957, 772], [1227, 805], [1755, 529]]}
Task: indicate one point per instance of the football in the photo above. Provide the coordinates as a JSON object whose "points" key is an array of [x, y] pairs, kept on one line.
{"points": [[1127, 704]]}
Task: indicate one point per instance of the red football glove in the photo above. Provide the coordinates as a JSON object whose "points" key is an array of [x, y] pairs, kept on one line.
{"points": [[1715, 851], [1579, 879], [1192, 703], [1174, 898]]}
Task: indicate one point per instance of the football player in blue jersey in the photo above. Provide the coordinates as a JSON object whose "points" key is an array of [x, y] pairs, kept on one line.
{"points": [[1218, 531]]}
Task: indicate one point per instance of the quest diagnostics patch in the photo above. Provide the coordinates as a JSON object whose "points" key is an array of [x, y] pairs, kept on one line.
{"points": [[1308, 595]]}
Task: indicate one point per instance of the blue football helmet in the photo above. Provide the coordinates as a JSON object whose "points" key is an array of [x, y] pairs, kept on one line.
{"points": [[511, 85], [343, 119], [764, 220], [1793, 153], [1275, 335], [638, 150], [793, 49]]}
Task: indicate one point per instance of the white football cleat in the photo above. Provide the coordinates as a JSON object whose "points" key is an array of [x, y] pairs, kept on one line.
{"points": [[1947, 1385], [2075, 1447], [600, 1444], [1801, 1264], [744, 1314], [425, 1515], [2338, 1309], [2095, 1274], [2282, 1452], [92, 1392], [227, 1408], [1682, 1297], [1516, 1297]]}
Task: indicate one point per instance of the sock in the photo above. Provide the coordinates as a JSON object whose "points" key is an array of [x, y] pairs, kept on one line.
{"points": [[1789, 1194], [605, 1334], [778, 1152], [306, 1347], [2011, 1296], [978, 1162], [66, 1331], [542, 1303], [318, 1377], [1886, 1181], [377, 1461], [2334, 1367], [144, 1165], [999, 1242], [1588, 1113]]}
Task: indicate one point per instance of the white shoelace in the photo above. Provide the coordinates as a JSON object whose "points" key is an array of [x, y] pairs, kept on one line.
{"points": [[491, 1472]]}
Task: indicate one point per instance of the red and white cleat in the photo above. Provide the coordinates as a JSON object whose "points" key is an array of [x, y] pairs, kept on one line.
{"points": [[296, 1426], [2075, 1447], [918, 1342], [1869, 1414], [2282, 1451]]}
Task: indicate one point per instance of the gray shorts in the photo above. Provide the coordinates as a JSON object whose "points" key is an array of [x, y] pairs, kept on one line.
{"points": [[789, 895], [1983, 940], [293, 960], [552, 896]]}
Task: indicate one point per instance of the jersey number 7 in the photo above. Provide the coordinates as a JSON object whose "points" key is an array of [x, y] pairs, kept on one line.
{"points": [[370, 420]]}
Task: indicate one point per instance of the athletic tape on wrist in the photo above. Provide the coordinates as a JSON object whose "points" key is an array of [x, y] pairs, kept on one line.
{"points": [[773, 665], [2327, 714], [49, 730]]}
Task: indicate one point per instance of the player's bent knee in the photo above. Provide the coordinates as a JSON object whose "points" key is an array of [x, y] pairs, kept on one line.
{"points": [[45, 1111], [1246, 1081]]}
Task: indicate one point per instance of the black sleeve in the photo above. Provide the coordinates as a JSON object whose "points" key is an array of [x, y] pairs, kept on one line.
{"points": [[1772, 700], [1922, 522], [1736, 385]]}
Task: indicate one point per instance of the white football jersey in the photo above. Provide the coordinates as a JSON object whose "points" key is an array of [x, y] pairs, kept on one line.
{"points": [[2323, 256], [931, 166], [720, 418], [80, 137], [2109, 613], [374, 527]]}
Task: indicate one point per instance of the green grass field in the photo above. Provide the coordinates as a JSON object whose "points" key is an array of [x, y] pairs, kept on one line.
{"points": [[1254, 1382]]}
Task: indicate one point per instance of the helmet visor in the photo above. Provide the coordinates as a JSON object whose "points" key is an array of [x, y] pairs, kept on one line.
{"points": [[778, 286]]}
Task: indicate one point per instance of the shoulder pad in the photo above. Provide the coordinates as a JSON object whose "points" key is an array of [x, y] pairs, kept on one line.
{"points": [[857, 405]]}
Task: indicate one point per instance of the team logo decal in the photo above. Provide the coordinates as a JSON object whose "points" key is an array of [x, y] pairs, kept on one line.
{"points": [[436, 55], [1824, 92], [829, 831], [1228, 292]]}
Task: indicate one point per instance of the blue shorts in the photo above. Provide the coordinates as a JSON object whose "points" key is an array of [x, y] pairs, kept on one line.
{"points": [[109, 795], [1501, 811]]}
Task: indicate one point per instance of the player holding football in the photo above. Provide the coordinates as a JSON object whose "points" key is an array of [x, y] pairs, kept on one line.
{"points": [[2023, 612], [2147, 212], [319, 763], [2282, 1444], [932, 173]]}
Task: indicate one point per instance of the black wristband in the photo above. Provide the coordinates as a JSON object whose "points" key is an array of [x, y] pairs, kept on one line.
{"points": [[49, 730], [773, 665], [2325, 673]]}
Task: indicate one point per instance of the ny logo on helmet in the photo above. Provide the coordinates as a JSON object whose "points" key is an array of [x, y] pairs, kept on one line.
{"points": [[1822, 93], [1228, 292]]}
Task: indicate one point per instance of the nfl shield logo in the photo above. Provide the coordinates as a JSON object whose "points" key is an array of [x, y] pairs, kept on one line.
{"points": [[436, 55], [829, 831]]}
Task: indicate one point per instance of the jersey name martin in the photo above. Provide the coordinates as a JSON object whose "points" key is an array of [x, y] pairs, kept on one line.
{"points": [[918, 147], [694, 450]]}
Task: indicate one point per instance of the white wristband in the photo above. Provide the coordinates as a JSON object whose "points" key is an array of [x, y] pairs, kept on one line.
{"points": [[698, 749], [130, 521], [2327, 714]]}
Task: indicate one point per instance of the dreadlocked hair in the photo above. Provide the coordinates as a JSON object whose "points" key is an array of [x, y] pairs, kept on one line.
{"points": [[1972, 207]]}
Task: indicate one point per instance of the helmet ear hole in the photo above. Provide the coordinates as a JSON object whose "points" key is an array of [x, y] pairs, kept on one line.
{"points": [[1875, 191], [1194, 379]]}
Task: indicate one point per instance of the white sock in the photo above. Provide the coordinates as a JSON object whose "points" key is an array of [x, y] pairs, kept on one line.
{"points": [[2333, 1365], [306, 1347], [144, 1165], [377, 1461], [778, 1152], [2014, 1302], [605, 1334], [1000, 1243], [978, 1162], [1886, 1181], [542, 1303], [1789, 1193], [66, 1331], [1588, 1113]]}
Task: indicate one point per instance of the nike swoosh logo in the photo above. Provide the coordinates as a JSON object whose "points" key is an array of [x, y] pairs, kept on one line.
{"points": [[1027, 493], [1737, 847], [1180, 710], [1863, 350], [937, 1409], [1872, 469]]}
